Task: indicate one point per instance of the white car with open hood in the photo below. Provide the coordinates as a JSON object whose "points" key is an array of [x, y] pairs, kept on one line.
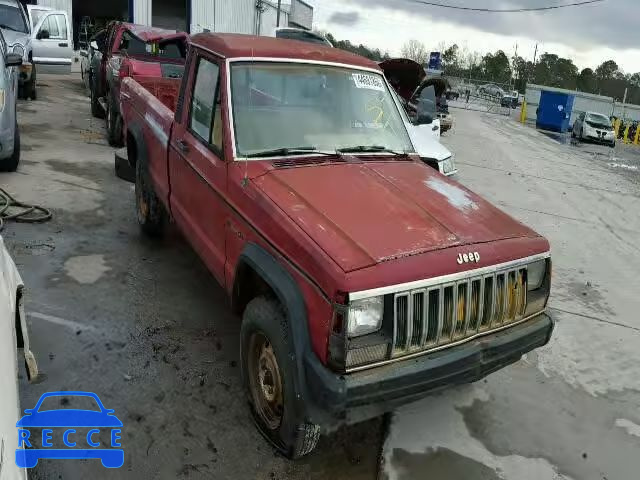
{"points": [[14, 348]]}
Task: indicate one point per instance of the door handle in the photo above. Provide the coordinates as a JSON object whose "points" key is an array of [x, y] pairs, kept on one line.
{"points": [[183, 146], [63, 44]]}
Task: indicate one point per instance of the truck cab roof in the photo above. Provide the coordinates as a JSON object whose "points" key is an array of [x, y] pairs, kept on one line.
{"points": [[231, 45]]}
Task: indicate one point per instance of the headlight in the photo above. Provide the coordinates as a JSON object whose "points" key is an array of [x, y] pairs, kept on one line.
{"points": [[365, 316], [535, 274], [18, 49], [448, 165]]}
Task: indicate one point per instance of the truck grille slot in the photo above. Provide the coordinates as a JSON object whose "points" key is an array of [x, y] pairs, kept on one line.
{"points": [[453, 312]]}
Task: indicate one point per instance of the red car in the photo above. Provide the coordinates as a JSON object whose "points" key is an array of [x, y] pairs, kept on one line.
{"points": [[129, 50], [362, 277]]}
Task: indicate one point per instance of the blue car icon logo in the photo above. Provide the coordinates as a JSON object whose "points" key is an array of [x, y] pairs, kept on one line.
{"points": [[77, 444]]}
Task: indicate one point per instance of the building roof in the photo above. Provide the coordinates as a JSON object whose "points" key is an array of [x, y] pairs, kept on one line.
{"points": [[233, 45]]}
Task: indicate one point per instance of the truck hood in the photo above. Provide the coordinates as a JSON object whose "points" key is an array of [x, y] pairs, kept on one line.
{"points": [[364, 213], [404, 74]]}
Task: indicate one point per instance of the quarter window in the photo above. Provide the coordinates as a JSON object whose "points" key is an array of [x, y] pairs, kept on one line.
{"points": [[205, 120]]}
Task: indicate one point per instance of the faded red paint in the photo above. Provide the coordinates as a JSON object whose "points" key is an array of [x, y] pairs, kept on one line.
{"points": [[337, 227]]}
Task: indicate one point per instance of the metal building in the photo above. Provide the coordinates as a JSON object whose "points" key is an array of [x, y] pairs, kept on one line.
{"points": [[256, 17]]}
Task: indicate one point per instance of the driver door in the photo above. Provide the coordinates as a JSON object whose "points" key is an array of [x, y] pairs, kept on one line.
{"points": [[52, 43]]}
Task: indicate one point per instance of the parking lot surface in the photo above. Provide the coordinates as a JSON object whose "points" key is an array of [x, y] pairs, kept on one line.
{"points": [[571, 409], [146, 327]]}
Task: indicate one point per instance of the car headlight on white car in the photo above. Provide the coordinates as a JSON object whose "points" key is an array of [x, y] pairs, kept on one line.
{"points": [[365, 316], [19, 50], [448, 165]]}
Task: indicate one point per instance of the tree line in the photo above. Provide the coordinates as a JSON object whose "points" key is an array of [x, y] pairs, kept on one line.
{"points": [[549, 69]]}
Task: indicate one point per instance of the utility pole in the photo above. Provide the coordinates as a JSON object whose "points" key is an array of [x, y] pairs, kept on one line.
{"points": [[278, 17]]}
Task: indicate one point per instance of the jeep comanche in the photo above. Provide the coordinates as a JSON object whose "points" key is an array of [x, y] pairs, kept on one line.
{"points": [[364, 278]]}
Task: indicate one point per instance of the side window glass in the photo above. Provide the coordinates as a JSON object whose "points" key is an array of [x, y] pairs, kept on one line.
{"points": [[205, 119], [51, 26], [62, 27]]}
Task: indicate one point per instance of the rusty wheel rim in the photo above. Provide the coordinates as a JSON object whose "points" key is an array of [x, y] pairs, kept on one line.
{"points": [[265, 381]]}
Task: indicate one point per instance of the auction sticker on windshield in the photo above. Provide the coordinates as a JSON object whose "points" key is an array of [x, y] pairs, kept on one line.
{"points": [[371, 82]]}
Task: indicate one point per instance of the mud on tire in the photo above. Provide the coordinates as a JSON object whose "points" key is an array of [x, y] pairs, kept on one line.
{"points": [[264, 323], [150, 211]]}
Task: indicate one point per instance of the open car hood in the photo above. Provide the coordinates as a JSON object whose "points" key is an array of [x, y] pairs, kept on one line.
{"points": [[405, 75]]}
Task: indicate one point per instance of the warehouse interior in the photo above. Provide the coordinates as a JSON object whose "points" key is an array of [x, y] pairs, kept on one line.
{"points": [[170, 14]]}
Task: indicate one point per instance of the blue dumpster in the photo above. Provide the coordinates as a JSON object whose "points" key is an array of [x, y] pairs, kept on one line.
{"points": [[554, 111]]}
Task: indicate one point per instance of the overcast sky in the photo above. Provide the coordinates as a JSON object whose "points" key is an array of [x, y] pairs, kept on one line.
{"points": [[588, 34]]}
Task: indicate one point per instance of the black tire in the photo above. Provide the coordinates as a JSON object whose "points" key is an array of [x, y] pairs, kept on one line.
{"points": [[96, 108], [612, 145], [11, 164], [150, 211], [114, 125], [32, 92], [265, 319]]}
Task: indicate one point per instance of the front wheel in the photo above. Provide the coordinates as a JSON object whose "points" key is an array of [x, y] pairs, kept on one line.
{"points": [[149, 209], [114, 124], [268, 372], [96, 108]]}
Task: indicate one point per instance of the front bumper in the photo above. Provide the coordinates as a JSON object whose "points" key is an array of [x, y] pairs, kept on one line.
{"points": [[350, 398], [594, 136]]}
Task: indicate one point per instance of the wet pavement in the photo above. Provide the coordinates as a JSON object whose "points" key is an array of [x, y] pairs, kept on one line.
{"points": [[140, 323], [571, 409]]}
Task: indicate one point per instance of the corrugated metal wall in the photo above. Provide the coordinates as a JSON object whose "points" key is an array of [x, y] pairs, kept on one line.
{"points": [[301, 14], [237, 16], [269, 20], [142, 12], [66, 5]]}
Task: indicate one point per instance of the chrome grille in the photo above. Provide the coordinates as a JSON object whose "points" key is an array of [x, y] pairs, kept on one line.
{"points": [[452, 312]]}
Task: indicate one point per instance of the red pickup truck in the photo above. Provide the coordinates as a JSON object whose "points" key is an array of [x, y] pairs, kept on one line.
{"points": [[363, 278], [129, 50]]}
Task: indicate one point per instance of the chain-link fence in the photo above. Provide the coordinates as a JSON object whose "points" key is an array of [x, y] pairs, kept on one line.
{"points": [[482, 95]]}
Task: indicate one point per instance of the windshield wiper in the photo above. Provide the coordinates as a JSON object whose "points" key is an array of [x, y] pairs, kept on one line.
{"points": [[284, 152], [2, 25], [371, 149]]}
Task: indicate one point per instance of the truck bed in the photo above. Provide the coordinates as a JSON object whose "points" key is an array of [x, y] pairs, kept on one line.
{"points": [[164, 89]]}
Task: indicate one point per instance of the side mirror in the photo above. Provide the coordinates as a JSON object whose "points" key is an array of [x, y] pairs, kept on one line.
{"points": [[43, 35], [94, 45], [12, 60]]}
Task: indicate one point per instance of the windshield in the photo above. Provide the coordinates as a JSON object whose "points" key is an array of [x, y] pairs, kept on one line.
{"points": [[287, 105], [11, 18], [597, 118]]}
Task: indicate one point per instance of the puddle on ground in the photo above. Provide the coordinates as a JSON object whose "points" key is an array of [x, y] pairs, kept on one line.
{"points": [[87, 269], [440, 464]]}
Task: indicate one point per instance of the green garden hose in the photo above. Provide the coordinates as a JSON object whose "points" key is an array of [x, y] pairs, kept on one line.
{"points": [[13, 210]]}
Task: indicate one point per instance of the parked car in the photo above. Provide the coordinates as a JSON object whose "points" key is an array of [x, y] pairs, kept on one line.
{"points": [[491, 90], [291, 33], [15, 350], [130, 50], [16, 28], [364, 278], [91, 58], [594, 127], [407, 78], [509, 101], [9, 131]]}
